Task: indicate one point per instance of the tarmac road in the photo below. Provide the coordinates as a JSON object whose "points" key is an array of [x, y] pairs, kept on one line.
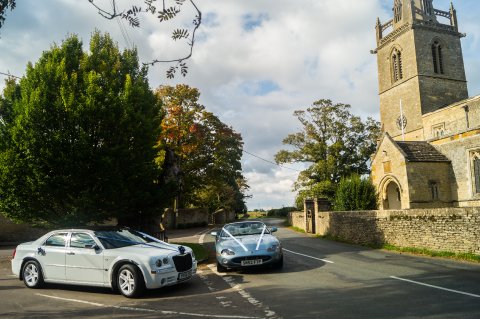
{"points": [[320, 279]]}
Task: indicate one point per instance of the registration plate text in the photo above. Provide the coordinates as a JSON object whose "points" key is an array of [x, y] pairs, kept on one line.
{"points": [[185, 275], [252, 262]]}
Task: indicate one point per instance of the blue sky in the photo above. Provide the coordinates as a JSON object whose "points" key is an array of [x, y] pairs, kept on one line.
{"points": [[255, 62]]}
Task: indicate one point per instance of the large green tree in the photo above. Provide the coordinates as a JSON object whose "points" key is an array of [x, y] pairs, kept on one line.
{"points": [[334, 142], [77, 137]]}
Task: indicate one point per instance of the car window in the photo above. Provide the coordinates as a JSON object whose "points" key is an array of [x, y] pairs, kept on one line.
{"points": [[111, 239], [56, 240], [80, 240], [242, 229]]}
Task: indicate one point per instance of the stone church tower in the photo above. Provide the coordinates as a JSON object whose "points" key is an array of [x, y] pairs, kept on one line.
{"points": [[420, 65], [429, 153]]}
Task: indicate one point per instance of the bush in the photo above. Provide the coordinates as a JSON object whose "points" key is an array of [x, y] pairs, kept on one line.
{"points": [[355, 193], [323, 189], [281, 212]]}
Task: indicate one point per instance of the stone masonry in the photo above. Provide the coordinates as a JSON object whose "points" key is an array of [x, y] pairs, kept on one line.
{"points": [[447, 229]]}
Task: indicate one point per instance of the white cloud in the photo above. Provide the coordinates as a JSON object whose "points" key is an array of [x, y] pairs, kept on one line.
{"points": [[291, 54]]}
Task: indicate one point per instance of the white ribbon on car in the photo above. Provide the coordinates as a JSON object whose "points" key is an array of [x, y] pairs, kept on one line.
{"points": [[233, 237], [261, 237]]}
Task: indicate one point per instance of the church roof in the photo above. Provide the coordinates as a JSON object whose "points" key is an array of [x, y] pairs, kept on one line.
{"points": [[421, 152]]}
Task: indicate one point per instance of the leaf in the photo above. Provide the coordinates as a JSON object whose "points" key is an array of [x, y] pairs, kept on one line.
{"points": [[180, 34], [171, 72], [133, 21], [183, 69], [168, 14]]}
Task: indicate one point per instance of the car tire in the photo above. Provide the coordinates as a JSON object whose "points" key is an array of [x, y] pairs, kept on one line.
{"points": [[32, 274], [279, 264], [130, 281], [221, 268]]}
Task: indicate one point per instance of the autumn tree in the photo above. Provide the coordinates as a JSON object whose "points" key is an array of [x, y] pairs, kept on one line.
{"points": [[202, 152], [77, 137], [334, 142]]}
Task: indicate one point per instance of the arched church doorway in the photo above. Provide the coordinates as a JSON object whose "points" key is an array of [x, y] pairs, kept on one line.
{"points": [[393, 198]]}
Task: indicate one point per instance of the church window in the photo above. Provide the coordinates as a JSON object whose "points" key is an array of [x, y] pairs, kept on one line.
{"points": [[397, 65], [476, 170], [438, 130], [437, 58], [433, 189]]}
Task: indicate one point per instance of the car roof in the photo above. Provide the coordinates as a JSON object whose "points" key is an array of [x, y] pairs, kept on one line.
{"points": [[90, 229], [246, 222]]}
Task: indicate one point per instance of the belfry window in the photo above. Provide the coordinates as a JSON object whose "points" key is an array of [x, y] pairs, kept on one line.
{"points": [[397, 65], [437, 58]]}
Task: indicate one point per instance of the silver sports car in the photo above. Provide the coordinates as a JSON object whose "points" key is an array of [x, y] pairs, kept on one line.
{"points": [[125, 260], [246, 244]]}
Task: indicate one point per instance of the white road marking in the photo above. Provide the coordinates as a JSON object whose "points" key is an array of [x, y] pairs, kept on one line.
{"points": [[231, 282], [73, 300], [436, 287], [324, 260], [148, 310]]}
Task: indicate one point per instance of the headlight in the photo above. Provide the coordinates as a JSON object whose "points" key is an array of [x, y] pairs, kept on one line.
{"points": [[158, 263], [274, 248], [193, 255], [228, 252], [165, 260]]}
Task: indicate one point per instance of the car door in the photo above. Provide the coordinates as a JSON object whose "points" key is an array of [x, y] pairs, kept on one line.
{"points": [[84, 259], [52, 256]]}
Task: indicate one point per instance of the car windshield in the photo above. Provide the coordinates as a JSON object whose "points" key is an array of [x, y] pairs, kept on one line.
{"points": [[243, 229], [118, 238]]}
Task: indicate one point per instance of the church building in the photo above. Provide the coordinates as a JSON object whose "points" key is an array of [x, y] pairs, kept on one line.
{"points": [[429, 153]]}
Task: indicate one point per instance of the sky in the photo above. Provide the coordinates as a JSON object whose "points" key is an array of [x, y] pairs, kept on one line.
{"points": [[254, 61]]}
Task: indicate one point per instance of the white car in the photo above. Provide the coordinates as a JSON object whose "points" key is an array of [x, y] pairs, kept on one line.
{"points": [[125, 260]]}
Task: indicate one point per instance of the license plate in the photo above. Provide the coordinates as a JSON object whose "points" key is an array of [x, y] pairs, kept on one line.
{"points": [[185, 275], [252, 262]]}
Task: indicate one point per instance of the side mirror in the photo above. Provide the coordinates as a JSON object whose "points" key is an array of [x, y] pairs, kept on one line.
{"points": [[94, 246], [214, 233], [273, 229]]}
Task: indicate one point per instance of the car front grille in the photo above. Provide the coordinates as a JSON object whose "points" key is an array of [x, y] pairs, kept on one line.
{"points": [[238, 260], [182, 262]]}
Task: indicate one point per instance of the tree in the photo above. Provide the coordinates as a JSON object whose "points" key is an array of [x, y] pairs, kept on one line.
{"points": [[78, 137], [205, 152], [165, 11], [322, 189], [355, 193], [4, 5], [221, 183], [335, 142]]}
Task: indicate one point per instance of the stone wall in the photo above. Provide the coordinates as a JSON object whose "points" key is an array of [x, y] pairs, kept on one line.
{"points": [[445, 229], [223, 216], [185, 218], [16, 233], [297, 219]]}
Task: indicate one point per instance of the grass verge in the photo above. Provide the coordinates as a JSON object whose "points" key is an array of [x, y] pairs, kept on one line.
{"points": [[297, 229], [430, 253], [200, 252], [410, 250]]}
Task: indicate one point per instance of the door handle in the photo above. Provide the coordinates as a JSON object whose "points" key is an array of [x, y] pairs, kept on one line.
{"points": [[70, 253]]}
